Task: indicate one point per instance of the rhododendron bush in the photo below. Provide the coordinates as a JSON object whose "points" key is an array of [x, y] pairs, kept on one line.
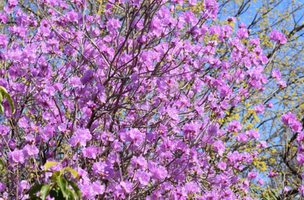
{"points": [[126, 101]]}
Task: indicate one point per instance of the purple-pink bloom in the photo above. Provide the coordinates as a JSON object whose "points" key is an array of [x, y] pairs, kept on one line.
{"points": [[288, 118], [2, 187], [281, 83], [210, 9], [242, 33], [219, 147], [253, 134], [133, 135], [231, 19], [143, 177], [241, 137], [300, 159], [263, 144], [252, 175], [255, 41], [272, 174], [301, 189], [126, 186], [300, 137], [88, 77], [192, 2], [3, 41], [296, 126], [113, 24], [139, 162], [102, 170], [4, 130], [261, 181], [30, 150], [157, 172], [222, 165], [191, 187], [285, 190], [277, 37], [269, 104], [234, 126], [16, 156], [259, 109], [81, 137], [276, 74], [90, 152], [23, 185], [97, 188]]}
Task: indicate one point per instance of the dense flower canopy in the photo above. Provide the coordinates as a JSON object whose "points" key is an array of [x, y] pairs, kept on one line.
{"points": [[131, 99]]}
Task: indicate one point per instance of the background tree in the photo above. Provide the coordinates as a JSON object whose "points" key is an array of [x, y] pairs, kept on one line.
{"points": [[262, 17]]}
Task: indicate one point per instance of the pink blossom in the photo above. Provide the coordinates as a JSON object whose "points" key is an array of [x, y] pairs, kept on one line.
{"points": [[16, 156]]}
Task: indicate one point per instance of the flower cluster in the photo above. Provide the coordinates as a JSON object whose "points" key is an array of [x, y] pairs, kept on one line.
{"points": [[131, 99]]}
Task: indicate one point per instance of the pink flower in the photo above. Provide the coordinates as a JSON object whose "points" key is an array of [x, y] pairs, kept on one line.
{"points": [[241, 137], [90, 152], [282, 84], [253, 134], [269, 105], [30, 150], [3, 41], [16, 156], [219, 147], [259, 109], [82, 136], [300, 159], [2, 187], [231, 19], [252, 175], [263, 144], [261, 181], [126, 186], [157, 172], [300, 137], [290, 120], [272, 174], [234, 126], [285, 190], [221, 165], [301, 189], [276, 74], [191, 187], [143, 177], [277, 37]]}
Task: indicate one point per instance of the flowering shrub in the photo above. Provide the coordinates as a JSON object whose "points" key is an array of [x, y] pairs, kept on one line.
{"points": [[131, 100]]}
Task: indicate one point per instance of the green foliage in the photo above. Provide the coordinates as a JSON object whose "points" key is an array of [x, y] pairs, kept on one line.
{"points": [[4, 94], [59, 186]]}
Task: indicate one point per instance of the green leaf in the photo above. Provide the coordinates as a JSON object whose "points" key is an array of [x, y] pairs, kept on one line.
{"points": [[45, 191], [1, 97], [49, 164], [2, 164], [55, 176], [76, 189], [4, 92], [74, 172], [72, 194], [57, 194], [32, 192], [1, 108], [63, 186]]}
